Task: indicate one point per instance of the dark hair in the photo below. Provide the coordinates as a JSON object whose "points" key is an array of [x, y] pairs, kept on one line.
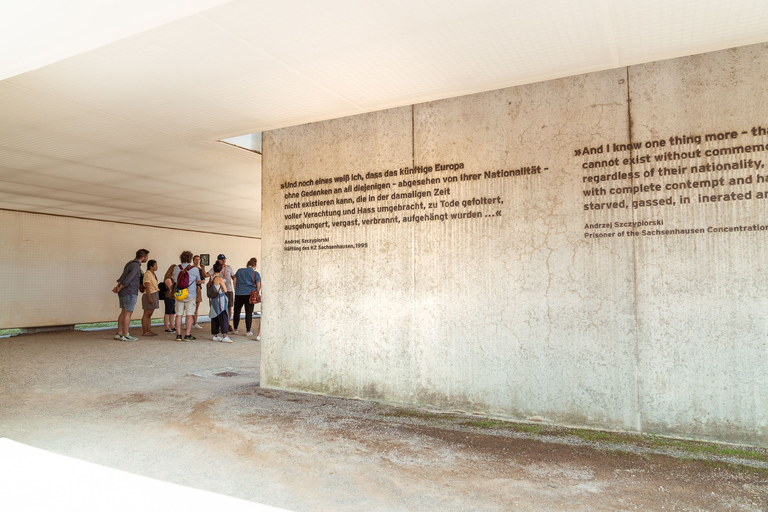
{"points": [[141, 253], [217, 266], [150, 263], [252, 262], [186, 257]]}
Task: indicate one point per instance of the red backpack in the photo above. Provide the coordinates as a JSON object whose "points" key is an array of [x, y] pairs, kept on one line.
{"points": [[183, 280]]}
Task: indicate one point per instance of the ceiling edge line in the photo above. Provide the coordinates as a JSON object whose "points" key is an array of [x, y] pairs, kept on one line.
{"points": [[130, 224]]}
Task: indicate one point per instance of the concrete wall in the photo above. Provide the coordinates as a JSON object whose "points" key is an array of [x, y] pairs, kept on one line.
{"points": [[600, 266], [60, 270]]}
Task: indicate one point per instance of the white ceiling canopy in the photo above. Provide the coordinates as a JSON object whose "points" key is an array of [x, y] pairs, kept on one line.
{"points": [[127, 131]]}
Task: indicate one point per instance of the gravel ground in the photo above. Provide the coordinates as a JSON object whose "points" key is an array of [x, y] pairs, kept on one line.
{"points": [[193, 413]]}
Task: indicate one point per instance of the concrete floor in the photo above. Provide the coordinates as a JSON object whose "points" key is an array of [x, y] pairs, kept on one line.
{"points": [[194, 414]]}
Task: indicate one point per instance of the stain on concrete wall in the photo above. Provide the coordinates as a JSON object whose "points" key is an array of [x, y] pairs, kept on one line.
{"points": [[586, 250]]}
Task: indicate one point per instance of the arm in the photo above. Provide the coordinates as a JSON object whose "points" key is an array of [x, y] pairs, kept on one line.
{"points": [[147, 280], [128, 274]]}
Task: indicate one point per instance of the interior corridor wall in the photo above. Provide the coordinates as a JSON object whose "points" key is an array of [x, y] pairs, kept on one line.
{"points": [[584, 251], [61, 271]]}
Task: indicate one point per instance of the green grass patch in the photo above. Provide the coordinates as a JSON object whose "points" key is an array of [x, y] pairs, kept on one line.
{"points": [[701, 448], [97, 325], [525, 428], [9, 332], [422, 415]]}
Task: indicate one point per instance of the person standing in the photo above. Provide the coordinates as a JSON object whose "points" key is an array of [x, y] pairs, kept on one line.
{"points": [[226, 274], [186, 277], [150, 301], [166, 290], [218, 312], [127, 291], [246, 280], [203, 275]]}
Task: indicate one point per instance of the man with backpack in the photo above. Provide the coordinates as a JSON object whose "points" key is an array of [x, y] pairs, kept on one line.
{"points": [[186, 277], [127, 291]]}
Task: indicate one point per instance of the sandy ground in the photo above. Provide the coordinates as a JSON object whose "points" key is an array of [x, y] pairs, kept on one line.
{"points": [[193, 413]]}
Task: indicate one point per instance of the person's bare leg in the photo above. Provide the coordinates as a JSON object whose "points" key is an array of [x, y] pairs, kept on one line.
{"points": [[178, 325], [189, 324], [126, 322], [146, 322], [120, 323]]}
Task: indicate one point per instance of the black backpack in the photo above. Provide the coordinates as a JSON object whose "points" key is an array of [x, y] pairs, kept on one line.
{"points": [[210, 290]]}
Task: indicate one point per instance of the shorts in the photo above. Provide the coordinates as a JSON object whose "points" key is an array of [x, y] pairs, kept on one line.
{"points": [[231, 298], [199, 294], [128, 302], [145, 305], [186, 307], [170, 306]]}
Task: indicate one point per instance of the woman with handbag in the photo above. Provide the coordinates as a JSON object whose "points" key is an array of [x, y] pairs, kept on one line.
{"points": [[247, 293], [169, 303], [217, 294]]}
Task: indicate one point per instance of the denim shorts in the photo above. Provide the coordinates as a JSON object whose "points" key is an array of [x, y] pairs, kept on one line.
{"points": [[128, 302]]}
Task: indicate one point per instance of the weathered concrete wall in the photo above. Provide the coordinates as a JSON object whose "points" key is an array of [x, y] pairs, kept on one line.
{"points": [[60, 270], [566, 264]]}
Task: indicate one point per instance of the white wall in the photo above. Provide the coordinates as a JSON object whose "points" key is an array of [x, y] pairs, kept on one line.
{"points": [[60, 270], [539, 307]]}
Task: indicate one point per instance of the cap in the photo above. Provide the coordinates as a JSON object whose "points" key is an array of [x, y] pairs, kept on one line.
{"points": [[221, 257]]}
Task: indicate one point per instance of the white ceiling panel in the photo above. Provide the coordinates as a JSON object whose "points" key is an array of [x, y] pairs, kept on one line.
{"points": [[83, 173], [130, 127]]}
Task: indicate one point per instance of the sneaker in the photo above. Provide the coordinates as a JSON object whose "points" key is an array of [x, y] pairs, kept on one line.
{"points": [[189, 337], [170, 330], [197, 326], [179, 338], [258, 338], [235, 332], [216, 338], [226, 339], [173, 329], [128, 337], [119, 337], [249, 333]]}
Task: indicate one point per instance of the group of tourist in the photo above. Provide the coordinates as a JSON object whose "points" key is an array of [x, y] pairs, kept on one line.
{"points": [[181, 291]]}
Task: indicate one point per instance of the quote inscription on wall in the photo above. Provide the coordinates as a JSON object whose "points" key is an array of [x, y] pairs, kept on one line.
{"points": [[408, 195], [626, 187], [677, 171]]}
